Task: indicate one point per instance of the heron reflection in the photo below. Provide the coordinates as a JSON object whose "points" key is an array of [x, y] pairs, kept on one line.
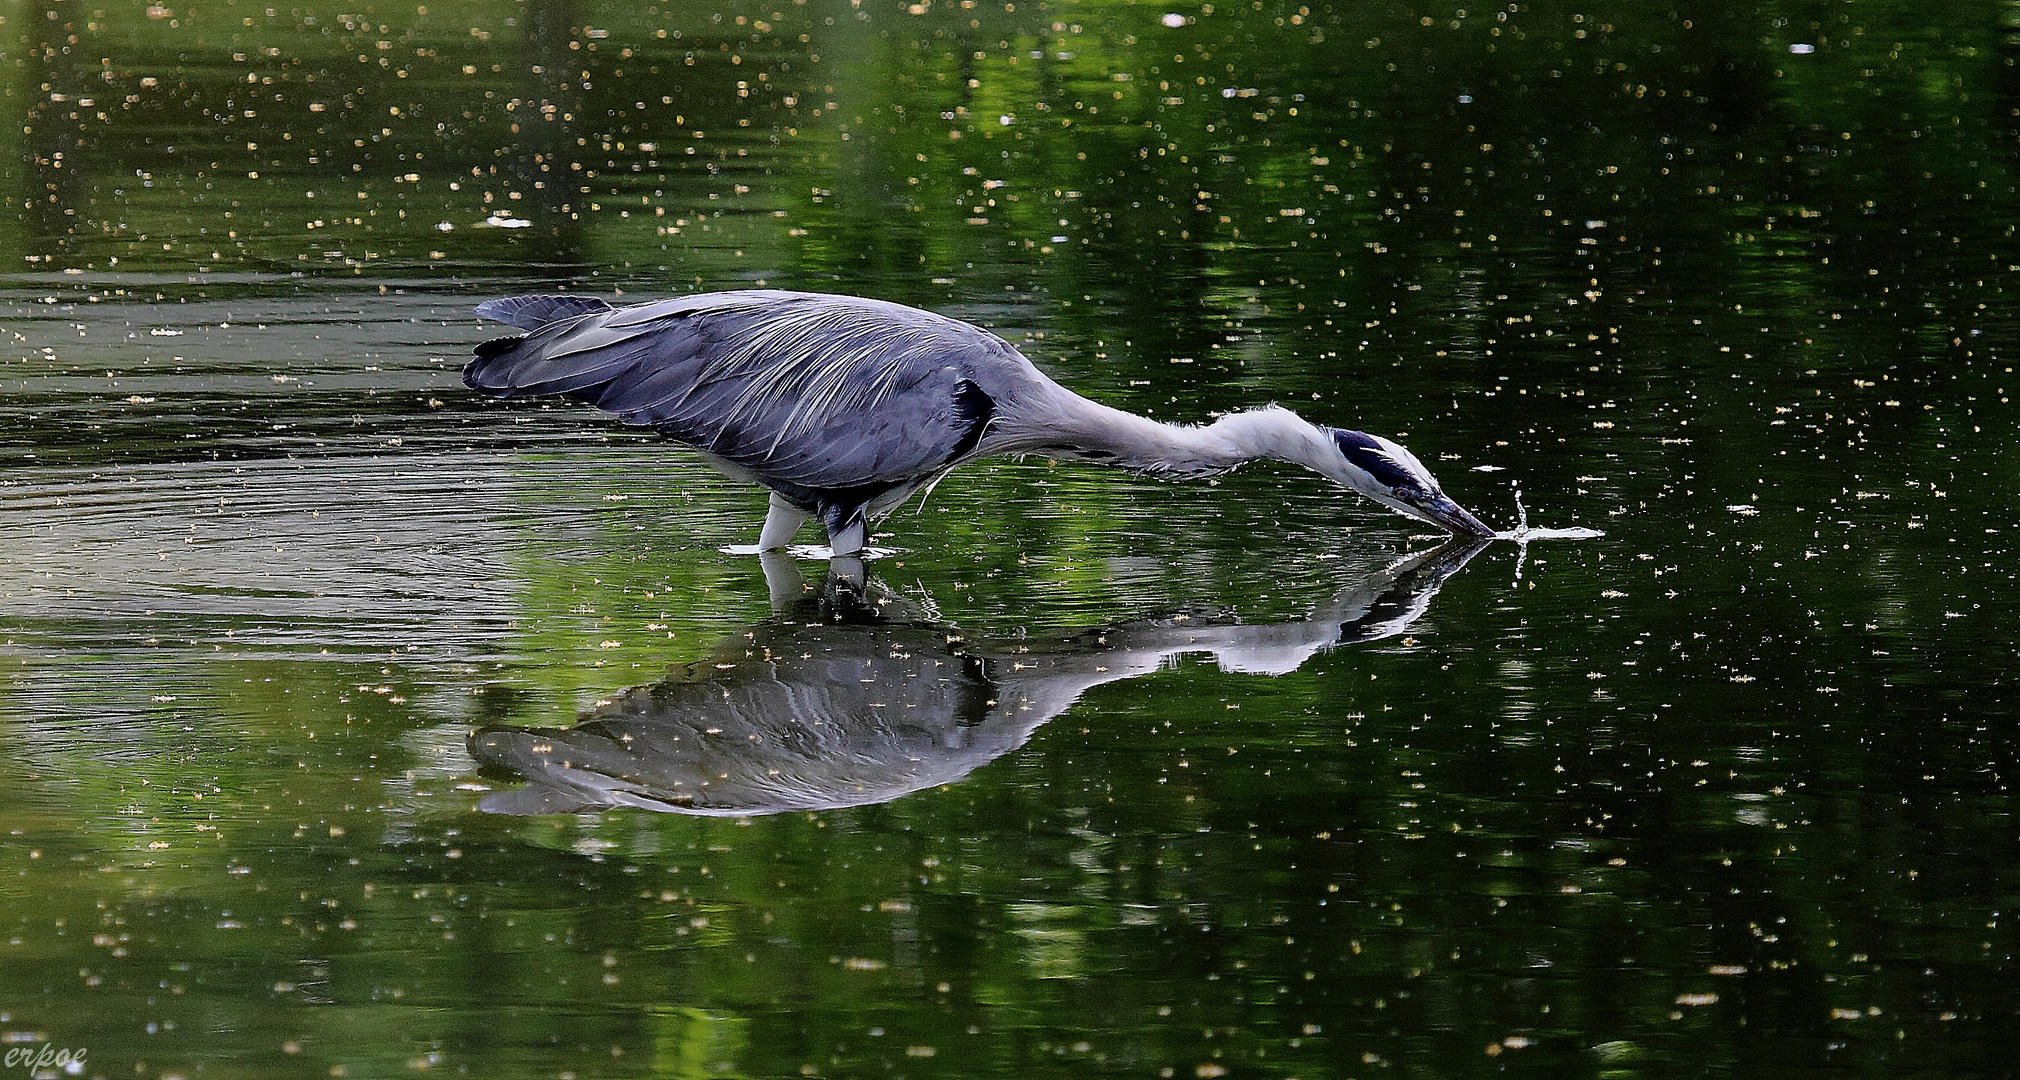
{"points": [[853, 695]]}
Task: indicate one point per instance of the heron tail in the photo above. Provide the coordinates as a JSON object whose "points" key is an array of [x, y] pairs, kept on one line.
{"points": [[534, 312]]}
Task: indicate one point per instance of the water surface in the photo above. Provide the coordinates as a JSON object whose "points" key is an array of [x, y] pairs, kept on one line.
{"points": [[1719, 788]]}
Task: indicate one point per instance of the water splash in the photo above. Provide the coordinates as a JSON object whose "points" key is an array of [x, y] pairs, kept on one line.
{"points": [[1522, 534], [812, 552]]}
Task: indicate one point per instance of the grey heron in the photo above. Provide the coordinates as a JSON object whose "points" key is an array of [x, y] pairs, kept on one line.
{"points": [[843, 406]]}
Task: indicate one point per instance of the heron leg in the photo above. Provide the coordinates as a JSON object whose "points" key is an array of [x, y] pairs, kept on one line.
{"points": [[850, 538], [781, 522]]}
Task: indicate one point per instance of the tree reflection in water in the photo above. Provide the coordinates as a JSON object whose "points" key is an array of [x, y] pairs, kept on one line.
{"points": [[853, 695]]}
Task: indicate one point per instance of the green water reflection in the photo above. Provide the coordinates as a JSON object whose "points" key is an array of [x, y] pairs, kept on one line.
{"points": [[1723, 792]]}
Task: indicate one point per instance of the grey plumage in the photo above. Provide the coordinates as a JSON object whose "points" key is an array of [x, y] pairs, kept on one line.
{"points": [[844, 406]]}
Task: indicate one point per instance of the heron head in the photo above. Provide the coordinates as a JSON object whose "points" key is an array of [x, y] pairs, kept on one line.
{"points": [[1389, 474]]}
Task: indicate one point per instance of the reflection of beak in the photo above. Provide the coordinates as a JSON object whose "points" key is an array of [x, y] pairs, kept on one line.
{"points": [[1444, 512]]}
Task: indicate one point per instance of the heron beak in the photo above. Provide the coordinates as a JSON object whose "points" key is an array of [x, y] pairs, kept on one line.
{"points": [[1448, 515]]}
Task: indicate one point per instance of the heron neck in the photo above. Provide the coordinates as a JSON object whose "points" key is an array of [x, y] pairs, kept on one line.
{"points": [[1096, 432]]}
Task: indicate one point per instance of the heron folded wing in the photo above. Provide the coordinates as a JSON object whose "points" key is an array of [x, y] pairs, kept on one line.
{"points": [[808, 392], [909, 437]]}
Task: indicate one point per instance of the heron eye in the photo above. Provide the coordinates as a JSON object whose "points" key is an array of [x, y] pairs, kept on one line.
{"points": [[1404, 493]]}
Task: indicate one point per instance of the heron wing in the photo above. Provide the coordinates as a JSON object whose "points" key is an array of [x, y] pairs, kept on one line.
{"points": [[805, 391]]}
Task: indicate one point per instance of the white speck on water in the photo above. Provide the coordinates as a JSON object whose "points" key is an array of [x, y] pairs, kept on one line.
{"points": [[1173, 19], [1802, 49]]}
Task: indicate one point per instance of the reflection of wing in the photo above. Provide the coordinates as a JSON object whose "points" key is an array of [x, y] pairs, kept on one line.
{"points": [[818, 717], [846, 709]]}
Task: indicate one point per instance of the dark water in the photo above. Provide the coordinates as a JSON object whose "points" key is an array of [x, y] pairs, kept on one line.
{"points": [[1093, 775]]}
